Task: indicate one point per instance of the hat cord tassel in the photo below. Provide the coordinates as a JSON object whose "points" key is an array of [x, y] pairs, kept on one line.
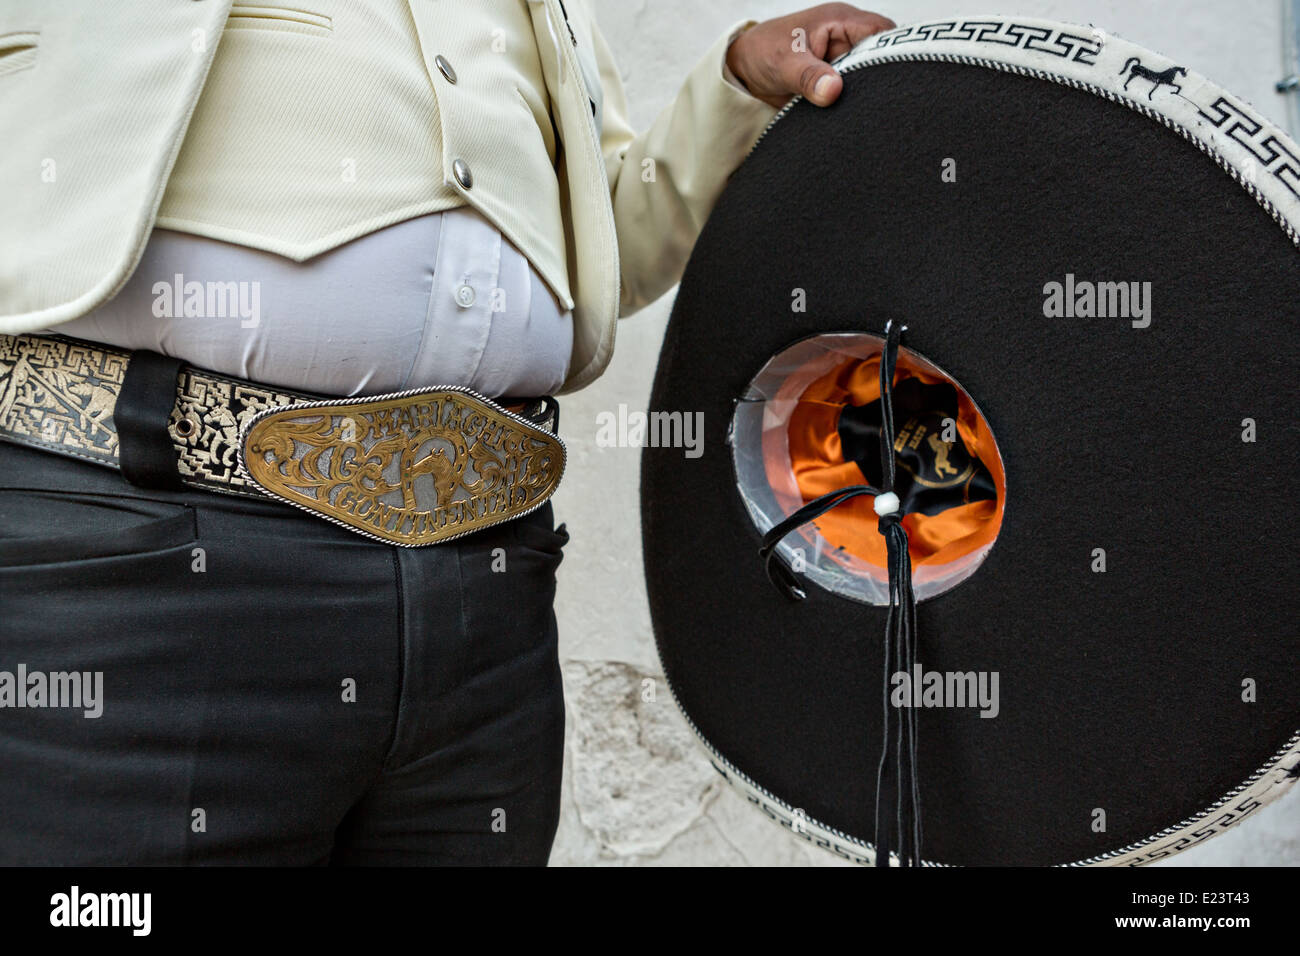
{"points": [[897, 779]]}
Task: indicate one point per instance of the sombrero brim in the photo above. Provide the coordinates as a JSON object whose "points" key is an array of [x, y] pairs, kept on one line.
{"points": [[1120, 691]]}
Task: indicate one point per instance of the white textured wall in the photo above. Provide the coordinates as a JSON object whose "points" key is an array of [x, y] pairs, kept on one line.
{"points": [[638, 790]]}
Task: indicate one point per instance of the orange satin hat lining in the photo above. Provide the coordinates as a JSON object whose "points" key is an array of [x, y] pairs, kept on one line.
{"points": [[819, 467]]}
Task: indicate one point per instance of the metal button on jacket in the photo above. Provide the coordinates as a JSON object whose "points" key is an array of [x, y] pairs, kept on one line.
{"points": [[460, 169], [444, 68]]}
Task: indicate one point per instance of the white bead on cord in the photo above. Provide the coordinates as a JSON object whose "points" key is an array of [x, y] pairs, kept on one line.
{"points": [[886, 504]]}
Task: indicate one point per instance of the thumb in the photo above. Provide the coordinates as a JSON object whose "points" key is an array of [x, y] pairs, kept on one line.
{"points": [[814, 78]]}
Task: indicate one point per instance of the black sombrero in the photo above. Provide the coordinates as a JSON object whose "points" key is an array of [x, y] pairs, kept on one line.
{"points": [[1097, 476]]}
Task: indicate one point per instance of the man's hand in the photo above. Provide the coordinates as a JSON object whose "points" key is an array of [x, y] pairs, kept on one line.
{"points": [[778, 58]]}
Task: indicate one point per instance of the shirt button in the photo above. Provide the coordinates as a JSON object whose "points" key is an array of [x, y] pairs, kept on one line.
{"points": [[444, 68], [460, 169], [465, 296]]}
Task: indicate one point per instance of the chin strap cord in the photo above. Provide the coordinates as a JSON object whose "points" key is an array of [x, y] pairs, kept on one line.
{"points": [[898, 792]]}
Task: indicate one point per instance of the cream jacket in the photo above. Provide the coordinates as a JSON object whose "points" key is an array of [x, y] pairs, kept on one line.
{"points": [[96, 99]]}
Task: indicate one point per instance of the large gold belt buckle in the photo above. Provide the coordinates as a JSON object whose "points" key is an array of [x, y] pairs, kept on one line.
{"points": [[411, 468]]}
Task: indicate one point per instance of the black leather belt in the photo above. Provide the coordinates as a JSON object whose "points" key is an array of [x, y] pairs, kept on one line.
{"points": [[411, 468]]}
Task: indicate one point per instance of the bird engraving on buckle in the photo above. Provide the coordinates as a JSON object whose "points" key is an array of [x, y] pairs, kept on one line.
{"points": [[411, 468]]}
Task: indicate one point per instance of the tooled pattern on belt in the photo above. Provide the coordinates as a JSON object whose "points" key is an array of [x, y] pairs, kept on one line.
{"points": [[58, 394]]}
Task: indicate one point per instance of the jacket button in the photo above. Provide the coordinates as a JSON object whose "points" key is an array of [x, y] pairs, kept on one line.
{"points": [[460, 169], [444, 68]]}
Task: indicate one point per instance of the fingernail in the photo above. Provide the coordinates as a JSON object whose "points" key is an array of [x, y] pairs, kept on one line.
{"points": [[822, 89]]}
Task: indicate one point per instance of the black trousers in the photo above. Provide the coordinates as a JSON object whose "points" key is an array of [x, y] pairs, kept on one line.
{"points": [[275, 689]]}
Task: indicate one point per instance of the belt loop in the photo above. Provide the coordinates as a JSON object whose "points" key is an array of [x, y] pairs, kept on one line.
{"points": [[143, 411]]}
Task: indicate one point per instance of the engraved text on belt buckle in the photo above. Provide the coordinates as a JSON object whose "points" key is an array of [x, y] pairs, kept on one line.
{"points": [[411, 468]]}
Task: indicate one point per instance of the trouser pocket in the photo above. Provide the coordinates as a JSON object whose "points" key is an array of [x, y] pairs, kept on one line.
{"points": [[47, 527]]}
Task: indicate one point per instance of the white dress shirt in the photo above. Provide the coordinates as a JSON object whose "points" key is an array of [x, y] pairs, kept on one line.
{"points": [[442, 299]]}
